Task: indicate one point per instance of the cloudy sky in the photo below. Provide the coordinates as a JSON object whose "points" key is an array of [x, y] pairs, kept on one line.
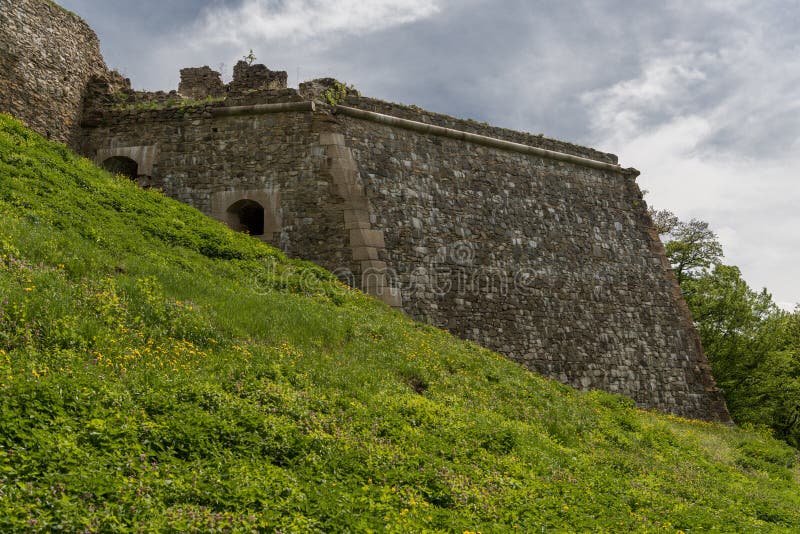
{"points": [[702, 97]]}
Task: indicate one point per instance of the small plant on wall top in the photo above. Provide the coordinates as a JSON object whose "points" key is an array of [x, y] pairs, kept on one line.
{"points": [[249, 58], [336, 93]]}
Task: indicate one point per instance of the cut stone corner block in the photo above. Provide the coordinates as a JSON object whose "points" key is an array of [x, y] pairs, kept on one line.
{"points": [[362, 237]]}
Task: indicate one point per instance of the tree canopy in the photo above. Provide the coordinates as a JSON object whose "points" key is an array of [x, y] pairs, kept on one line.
{"points": [[753, 345]]}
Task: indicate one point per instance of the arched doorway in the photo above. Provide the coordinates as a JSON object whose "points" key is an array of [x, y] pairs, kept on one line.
{"points": [[246, 216], [122, 165]]}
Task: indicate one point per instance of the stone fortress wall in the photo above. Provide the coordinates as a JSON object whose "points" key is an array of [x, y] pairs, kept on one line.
{"points": [[539, 249], [47, 57], [553, 263]]}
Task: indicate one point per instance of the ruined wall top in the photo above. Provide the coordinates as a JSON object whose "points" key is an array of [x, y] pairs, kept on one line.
{"points": [[247, 77], [256, 84], [198, 83]]}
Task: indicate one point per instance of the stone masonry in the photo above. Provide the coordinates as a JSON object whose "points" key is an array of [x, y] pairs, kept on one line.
{"points": [[199, 83], [248, 77], [47, 56], [539, 249]]}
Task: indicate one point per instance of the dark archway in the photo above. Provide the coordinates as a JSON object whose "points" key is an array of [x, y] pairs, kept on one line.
{"points": [[246, 216], [122, 165]]}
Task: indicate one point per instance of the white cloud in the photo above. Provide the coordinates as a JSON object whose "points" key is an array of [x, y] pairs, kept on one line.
{"points": [[662, 87], [750, 204], [257, 21], [710, 128]]}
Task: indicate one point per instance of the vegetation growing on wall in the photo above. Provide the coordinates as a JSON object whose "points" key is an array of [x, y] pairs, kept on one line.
{"points": [[336, 93], [250, 57], [159, 372], [125, 103]]}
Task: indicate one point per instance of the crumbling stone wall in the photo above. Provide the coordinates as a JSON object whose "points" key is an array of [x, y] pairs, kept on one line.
{"points": [[248, 77], [198, 83], [111, 90], [47, 56]]}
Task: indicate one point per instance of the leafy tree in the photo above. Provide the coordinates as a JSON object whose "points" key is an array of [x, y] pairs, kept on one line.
{"points": [[691, 247], [249, 58], [729, 315], [753, 346]]}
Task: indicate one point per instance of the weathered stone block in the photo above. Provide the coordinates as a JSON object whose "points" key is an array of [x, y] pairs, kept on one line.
{"points": [[200, 82], [248, 77]]}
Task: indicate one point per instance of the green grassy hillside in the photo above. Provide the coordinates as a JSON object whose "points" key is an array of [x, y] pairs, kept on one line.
{"points": [[159, 372]]}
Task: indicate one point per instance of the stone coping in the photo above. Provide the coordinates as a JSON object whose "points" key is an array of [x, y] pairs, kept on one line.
{"points": [[484, 140], [415, 113], [260, 109]]}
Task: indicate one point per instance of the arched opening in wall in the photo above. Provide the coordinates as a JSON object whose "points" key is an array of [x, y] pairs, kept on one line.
{"points": [[122, 165], [246, 216]]}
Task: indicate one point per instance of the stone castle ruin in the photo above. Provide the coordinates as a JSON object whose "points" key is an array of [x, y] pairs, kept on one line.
{"points": [[536, 248]]}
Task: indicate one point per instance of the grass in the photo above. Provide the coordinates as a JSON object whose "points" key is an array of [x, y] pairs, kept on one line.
{"points": [[159, 372]]}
